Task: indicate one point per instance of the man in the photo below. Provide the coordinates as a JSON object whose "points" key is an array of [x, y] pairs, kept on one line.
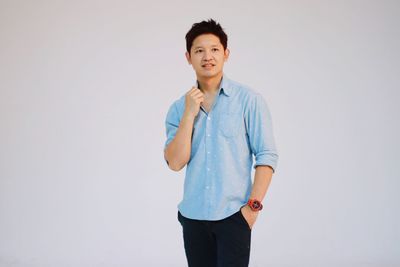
{"points": [[214, 130]]}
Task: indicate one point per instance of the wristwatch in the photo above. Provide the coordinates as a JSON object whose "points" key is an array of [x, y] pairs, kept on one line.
{"points": [[255, 205]]}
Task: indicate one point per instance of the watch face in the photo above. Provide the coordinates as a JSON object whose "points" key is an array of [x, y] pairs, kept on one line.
{"points": [[256, 204]]}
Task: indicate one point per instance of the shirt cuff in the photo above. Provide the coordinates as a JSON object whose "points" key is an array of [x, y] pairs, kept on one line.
{"points": [[268, 159]]}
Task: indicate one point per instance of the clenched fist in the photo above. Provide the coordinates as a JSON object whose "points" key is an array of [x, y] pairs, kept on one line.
{"points": [[194, 97]]}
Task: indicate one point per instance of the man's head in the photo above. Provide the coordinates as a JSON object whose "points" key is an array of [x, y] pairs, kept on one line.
{"points": [[206, 45], [204, 27]]}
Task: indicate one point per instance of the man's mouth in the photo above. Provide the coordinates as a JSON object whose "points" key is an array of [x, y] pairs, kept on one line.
{"points": [[208, 65]]}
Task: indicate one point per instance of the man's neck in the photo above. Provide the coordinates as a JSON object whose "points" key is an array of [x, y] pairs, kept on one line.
{"points": [[210, 85]]}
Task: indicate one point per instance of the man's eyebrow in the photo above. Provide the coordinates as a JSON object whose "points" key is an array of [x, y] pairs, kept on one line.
{"points": [[202, 47]]}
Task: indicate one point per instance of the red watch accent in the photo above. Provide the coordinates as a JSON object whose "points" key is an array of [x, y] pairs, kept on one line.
{"points": [[255, 205]]}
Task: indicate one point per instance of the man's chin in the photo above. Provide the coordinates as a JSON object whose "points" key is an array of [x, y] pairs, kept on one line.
{"points": [[207, 74]]}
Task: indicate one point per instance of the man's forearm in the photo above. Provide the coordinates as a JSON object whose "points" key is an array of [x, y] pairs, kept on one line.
{"points": [[262, 179], [178, 150]]}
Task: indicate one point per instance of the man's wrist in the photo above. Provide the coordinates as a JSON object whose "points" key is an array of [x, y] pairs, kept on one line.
{"points": [[188, 118], [247, 207], [254, 204]]}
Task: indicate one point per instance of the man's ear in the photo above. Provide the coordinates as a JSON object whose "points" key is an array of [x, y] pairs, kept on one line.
{"points": [[226, 54], [189, 60]]}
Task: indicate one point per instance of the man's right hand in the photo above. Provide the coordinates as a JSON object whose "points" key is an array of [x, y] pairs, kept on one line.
{"points": [[194, 97]]}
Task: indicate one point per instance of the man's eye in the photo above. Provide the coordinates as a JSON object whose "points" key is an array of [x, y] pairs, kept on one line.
{"points": [[197, 51], [215, 49]]}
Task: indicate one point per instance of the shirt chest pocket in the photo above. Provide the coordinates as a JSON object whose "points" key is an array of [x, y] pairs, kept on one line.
{"points": [[230, 124]]}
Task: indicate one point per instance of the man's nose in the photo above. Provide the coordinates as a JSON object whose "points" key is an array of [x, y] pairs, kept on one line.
{"points": [[207, 55]]}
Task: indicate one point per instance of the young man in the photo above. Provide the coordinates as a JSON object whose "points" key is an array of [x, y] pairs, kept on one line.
{"points": [[215, 129]]}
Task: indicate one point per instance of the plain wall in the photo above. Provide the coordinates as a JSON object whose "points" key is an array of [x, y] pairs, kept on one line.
{"points": [[84, 90]]}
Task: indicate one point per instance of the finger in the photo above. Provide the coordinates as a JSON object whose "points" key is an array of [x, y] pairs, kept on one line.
{"points": [[196, 94], [198, 97], [193, 89]]}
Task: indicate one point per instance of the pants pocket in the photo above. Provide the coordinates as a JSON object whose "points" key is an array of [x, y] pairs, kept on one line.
{"points": [[244, 219]]}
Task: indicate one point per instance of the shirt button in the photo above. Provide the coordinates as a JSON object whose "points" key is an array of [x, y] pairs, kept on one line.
{"points": [[209, 118], [208, 135], [208, 152], [208, 169], [207, 187]]}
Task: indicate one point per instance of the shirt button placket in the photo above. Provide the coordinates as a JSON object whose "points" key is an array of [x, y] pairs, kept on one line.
{"points": [[208, 145]]}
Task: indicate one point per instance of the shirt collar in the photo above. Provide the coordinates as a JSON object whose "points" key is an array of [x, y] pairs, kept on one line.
{"points": [[224, 85]]}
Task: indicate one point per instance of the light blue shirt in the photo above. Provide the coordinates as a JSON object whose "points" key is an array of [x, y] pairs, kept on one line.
{"points": [[218, 175]]}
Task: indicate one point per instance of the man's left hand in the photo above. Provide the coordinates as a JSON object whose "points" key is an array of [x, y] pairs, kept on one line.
{"points": [[249, 215]]}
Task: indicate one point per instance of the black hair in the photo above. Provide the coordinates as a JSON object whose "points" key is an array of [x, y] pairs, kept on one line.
{"points": [[210, 26]]}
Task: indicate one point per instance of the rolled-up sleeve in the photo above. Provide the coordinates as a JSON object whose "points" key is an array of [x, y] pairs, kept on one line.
{"points": [[260, 132], [171, 124]]}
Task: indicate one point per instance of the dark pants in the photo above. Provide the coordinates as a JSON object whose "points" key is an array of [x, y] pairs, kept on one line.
{"points": [[220, 243]]}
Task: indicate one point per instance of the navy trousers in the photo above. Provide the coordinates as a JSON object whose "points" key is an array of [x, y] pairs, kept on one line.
{"points": [[222, 243]]}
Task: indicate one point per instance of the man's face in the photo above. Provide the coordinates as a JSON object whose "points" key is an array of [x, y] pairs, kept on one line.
{"points": [[207, 56]]}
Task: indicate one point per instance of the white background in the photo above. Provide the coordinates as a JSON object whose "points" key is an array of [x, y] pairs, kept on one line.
{"points": [[84, 90]]}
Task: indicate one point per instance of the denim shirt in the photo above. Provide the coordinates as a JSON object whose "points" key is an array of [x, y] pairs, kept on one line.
{"points": [[218, 175]]}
